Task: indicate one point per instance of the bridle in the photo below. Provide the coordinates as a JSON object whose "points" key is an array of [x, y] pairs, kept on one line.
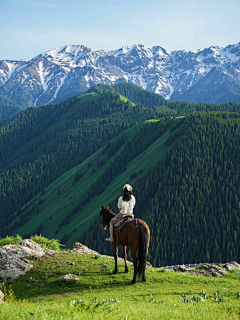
{"points": [[109, 211]]}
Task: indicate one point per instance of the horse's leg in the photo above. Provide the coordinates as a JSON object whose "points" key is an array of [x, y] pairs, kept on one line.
{"points": [[115, 247], [134, 256], [125, 258], [144, 279]]}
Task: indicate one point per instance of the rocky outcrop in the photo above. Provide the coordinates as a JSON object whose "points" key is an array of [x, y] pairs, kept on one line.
{"points": [[233, 265], [80, 248], [209, 270], [180, 268], [13, 258]]}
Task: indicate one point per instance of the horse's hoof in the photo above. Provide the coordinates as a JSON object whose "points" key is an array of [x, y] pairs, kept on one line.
{"points": [[133, 281], [115, 272], [126, 271], [144, 280]]}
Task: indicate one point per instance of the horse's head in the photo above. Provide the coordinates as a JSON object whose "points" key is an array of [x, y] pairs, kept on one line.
{"points": [[106, 215]]}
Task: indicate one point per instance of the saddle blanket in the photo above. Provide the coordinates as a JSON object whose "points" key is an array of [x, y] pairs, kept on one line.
{"points": [[121, 224]]}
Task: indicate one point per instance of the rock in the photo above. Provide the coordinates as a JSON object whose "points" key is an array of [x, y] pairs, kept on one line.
{"points": [[13, 262], [208, 270], [203, 266], [181, 269], [216, 274], [48, 251], [220, 270], [80, 248], [68, 277], [237, 265], [1, 296], [233, 265], [148, 264]]}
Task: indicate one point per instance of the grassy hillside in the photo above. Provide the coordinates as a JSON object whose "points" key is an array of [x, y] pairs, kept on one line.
{"points": [[48, 209], [98, 294]]}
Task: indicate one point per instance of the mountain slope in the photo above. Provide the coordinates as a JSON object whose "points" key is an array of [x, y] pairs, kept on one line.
{"points": [[72, 202], [190, 198], [185, 179], [40, 144], [132, 92], [58, 74], [8, 108]]}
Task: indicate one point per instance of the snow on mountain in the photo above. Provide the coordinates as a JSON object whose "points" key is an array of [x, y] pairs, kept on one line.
{"points": [[207, 75]]}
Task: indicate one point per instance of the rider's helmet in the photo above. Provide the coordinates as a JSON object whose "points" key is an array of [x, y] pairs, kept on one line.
{"points": [[128, 187]]}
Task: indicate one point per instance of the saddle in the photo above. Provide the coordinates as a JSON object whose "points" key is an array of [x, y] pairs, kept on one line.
{"points": [[119, 227]]}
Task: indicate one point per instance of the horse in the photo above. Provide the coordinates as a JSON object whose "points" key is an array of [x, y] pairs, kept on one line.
{"points": [[135, 234]]}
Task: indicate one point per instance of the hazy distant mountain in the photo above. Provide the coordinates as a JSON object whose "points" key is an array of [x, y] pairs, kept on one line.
{"points": [[204, 75]]}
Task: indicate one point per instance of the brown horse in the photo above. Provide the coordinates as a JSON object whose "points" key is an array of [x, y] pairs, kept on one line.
{"points": [[135, 234]]}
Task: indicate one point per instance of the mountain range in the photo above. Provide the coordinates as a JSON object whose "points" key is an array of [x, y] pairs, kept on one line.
{"points": [[209, 75]]}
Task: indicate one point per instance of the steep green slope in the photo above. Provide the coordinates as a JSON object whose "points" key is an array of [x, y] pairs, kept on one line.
{"points": [[72, 202], [190, 198], [40, 144]]}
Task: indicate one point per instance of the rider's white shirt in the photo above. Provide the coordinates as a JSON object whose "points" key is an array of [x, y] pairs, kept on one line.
{"points": [[126, 206]]}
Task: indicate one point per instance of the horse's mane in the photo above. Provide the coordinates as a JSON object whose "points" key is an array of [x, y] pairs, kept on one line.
{"points": [[107, 215]]}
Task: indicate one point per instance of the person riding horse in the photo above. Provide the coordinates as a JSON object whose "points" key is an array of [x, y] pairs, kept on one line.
{"points": [[125, 205]]}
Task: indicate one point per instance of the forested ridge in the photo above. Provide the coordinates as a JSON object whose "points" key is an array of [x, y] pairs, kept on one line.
{"points": [[165, 107], [191, 198], [132, 92]]}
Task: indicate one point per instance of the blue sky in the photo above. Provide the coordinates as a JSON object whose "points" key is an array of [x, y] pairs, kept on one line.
{"points": [[30, 27]]}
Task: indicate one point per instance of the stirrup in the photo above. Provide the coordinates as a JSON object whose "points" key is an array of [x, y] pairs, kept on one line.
{"points": [[109, 239]]}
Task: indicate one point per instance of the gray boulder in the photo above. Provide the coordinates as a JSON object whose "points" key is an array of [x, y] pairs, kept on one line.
{"points": [[180, 269], [13, 258], [80, 248], [233, 265]]}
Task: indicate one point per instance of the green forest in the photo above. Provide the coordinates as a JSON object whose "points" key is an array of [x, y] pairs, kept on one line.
{"points": [[189, 196], [40, 144], [8, 108], [191, 199]]}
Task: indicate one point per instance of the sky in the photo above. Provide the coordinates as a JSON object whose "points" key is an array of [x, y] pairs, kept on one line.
{"points": [[31, 27]]}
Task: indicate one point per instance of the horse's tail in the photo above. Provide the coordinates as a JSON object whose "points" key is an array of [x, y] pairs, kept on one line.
{"points": [[143, 249]]}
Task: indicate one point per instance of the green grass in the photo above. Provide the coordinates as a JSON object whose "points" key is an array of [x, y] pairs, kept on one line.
{"points": [[63, 195], [100, 295]]}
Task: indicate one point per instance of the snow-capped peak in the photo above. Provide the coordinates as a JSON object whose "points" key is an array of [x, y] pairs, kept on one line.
{"points": [[62, 72]]}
